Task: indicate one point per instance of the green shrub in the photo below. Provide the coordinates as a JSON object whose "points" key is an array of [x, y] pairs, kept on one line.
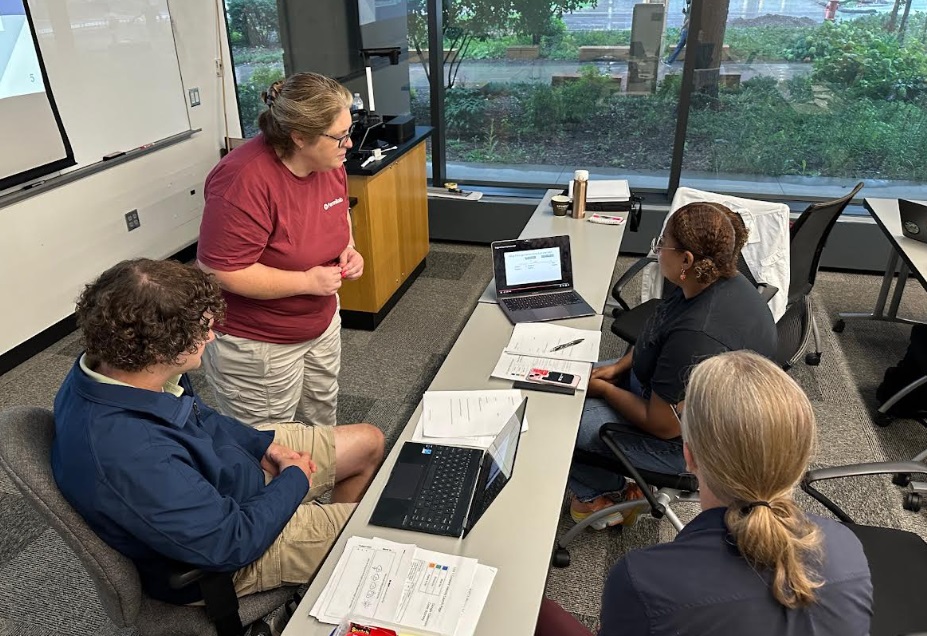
{"points": [[859, 56], [250, 104], [464, 111], [764, 43], [583, 98]]}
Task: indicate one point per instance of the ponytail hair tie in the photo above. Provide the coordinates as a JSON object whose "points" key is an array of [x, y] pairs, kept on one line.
{"points": [[753, 504], [270, 95]]}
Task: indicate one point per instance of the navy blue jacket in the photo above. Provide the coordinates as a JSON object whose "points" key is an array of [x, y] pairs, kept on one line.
{"points": [[163, 477], [700, 585]]}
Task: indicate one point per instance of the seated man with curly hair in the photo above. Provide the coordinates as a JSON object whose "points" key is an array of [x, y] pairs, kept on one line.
{"points": [[161, 476]]}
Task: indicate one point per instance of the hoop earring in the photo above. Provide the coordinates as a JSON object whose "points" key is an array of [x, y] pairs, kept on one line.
{"points": [[682, 275]]}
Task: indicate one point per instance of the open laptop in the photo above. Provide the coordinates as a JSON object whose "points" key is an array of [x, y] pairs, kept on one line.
{"points": [[446, 489], [913, 220], [534, 280]]}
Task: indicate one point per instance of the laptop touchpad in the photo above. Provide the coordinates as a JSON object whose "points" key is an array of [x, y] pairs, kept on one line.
{"points": [[403, 481]]}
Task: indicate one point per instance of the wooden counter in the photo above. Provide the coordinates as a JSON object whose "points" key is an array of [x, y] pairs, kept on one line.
{"points": [[390, 230]]}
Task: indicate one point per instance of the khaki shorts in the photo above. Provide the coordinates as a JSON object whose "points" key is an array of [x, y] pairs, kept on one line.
{"points": [[257, 382], [296, 554]]}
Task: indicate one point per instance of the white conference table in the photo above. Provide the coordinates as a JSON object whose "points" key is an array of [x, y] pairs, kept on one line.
{"points": [[912, 255], [517, 532], [593, 246]]}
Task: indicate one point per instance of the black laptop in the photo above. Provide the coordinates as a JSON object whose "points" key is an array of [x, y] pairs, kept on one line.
{"points": [[534, 280], [446, 489], [913, 220]]}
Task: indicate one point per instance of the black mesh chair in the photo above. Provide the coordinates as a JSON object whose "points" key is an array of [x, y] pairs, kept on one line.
{"points": [[807, 239], [897, 558], [797, 326]]}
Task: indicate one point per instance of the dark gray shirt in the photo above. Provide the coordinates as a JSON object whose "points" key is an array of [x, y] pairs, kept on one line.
{"points": [[729, 315], [700, 585]]}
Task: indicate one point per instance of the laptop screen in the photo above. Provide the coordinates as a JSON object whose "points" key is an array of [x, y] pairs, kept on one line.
{"points": [[539, 264], [498, 465]]}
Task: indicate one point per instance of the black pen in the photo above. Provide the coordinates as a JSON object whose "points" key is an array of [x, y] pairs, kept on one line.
{"points": [[567, 344]]}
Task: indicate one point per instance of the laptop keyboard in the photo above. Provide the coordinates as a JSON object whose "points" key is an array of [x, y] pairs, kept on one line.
{"points": [[435, 507], [541, 301]]}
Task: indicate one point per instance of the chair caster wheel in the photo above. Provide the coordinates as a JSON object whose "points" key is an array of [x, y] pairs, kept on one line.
{"points": [[901, 479], [839, 326], [912, 502], [882, 419], [260, 628], [812, 359], [561, 558]]}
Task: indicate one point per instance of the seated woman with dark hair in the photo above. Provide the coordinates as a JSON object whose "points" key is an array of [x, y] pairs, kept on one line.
{"points": [[713, 309], [752, 562]]}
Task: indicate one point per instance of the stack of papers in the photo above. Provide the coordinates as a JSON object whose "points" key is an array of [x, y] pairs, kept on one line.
{"points": [[540, 345], [397, 583], [604, 190], [466, 418]]}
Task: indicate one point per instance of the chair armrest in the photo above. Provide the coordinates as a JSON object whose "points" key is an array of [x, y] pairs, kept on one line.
{"points": [[853, 470], [629, 274], [218, 592], [767, 291], [860, 470], [183, 575], [657, 510]]}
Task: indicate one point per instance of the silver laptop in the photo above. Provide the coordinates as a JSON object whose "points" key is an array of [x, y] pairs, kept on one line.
{"points": [[534, 280], [913, 220]]}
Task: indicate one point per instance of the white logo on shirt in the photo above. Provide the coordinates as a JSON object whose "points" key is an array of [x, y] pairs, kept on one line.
{"points": [[332, 204]]}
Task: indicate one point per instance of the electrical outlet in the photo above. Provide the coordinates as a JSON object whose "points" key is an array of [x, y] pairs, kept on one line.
{"points": [[194, 97], [132, 220]]}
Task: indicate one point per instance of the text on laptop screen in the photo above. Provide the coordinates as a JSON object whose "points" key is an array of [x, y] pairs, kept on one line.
{"points": [[532, 266]]}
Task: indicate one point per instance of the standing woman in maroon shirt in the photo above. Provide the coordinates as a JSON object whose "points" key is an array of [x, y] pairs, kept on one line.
{"points": [[276, 233]]}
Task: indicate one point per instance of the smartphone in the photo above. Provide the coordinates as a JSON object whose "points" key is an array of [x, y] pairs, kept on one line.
{"points": [[547, 376]]}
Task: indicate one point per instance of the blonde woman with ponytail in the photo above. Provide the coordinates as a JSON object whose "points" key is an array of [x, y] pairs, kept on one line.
{"points": [[752, 563]]}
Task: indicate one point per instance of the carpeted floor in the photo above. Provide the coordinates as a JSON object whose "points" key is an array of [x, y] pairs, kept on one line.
{"points": [[43, 588]]}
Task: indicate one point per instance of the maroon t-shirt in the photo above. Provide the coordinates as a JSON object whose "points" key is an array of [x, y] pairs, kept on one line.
{"points": [[257, 211]]}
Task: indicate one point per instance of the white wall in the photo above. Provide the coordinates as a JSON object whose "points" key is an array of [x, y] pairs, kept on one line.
{"points": [[55, 242]]}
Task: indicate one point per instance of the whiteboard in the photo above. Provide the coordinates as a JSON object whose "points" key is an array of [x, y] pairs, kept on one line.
{"points": [[113, 69]]}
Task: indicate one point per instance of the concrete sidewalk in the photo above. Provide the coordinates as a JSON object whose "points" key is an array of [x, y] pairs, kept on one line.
{"points": [[481, 72]]}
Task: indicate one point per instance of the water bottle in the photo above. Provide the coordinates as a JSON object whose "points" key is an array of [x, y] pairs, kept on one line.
{"points": [[580, 182], [357, 103]]}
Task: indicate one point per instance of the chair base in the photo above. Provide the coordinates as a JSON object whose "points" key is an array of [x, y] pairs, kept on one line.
{"points": [[664, 496]]}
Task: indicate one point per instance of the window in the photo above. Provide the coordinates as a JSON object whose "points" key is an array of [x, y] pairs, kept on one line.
{"points": [[804, 104], [257, 55]]}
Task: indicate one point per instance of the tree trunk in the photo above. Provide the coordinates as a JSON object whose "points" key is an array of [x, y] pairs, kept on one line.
{"points": [[893, 18], [904, 20], [708, 45]]}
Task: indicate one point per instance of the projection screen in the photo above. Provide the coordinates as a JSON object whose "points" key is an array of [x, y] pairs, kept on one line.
{"points": [[33, 142]]}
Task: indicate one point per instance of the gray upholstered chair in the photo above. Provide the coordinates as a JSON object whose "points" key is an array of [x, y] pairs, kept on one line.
{"points": [[26, 435]]}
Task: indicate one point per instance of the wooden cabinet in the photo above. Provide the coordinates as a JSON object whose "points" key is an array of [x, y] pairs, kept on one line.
{"points": [[390, 231]]}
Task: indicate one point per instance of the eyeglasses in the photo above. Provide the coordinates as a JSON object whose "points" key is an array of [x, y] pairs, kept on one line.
{"points": [[657, 244], [342, 138]]}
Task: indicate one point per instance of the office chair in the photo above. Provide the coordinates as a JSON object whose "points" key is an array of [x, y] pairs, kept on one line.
{"points": [[807, 238], [671, 488], [897, 558], [26, 435]]}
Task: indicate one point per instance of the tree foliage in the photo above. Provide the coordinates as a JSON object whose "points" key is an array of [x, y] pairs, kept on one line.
{"points": [[254, 22]]}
